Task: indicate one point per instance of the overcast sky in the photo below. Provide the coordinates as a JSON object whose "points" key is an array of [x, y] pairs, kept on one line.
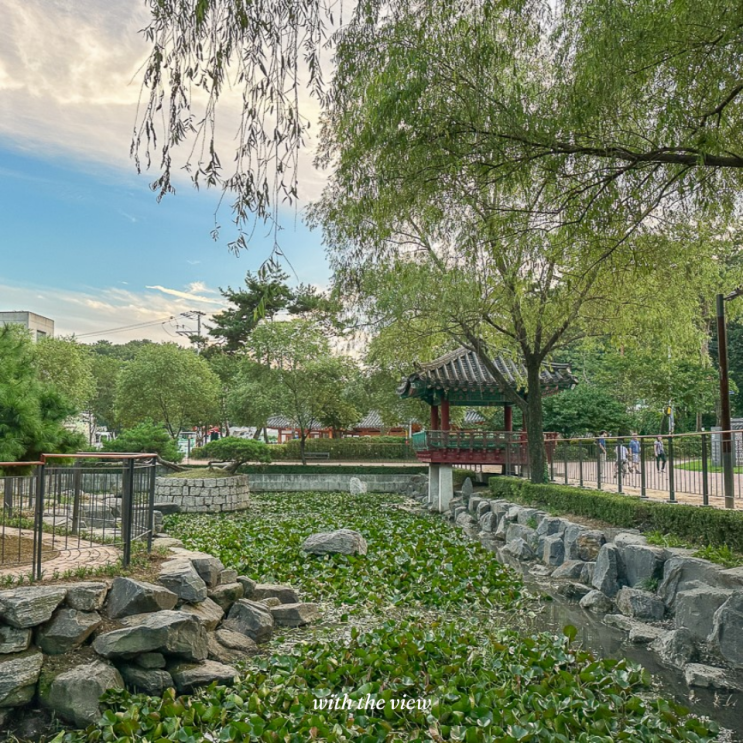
{"points": [[82, 239]]}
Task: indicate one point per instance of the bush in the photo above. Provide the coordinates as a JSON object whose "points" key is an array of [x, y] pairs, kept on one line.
{"points": [[234, 450], [360, 449], [329, 469], [147, 437], [711, 526]]}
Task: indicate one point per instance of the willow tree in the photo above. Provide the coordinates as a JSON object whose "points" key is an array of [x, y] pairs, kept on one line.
{"points": [[516, 254]]}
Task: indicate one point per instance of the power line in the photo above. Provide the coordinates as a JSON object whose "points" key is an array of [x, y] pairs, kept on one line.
{"points": [[127, 327]]}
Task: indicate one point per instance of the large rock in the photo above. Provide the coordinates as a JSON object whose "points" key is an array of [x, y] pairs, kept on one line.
{"points": [[588, 544], [465, 521], [467, 488], [248, 585], [570, 537], [357, 487], [553, 550], [14, 640], [208, 567], [152, 681], [519, 550], [573, 570], [169, 632], [519, 531], [709, 677], [483, 507], [294, 615], [727, 630], [633, 602], [342, 541], [488, 522], [208, 612], [27, 607], [676, 648], [189, 676], [550, 526], [695, 609], [606, 572], [285, 594], [642, 564], [227, 576], [527, 517], [67, 629], [251, 619], [86, 596], [180, 577], [18, 676], [597, 602], [150, 661], [129, 597], [75, 695], [226, 594], [682, 572], [228, 647]]}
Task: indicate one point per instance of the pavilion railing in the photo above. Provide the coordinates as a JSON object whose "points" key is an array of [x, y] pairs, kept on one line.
{"points": [[58, 505], [684, 468]]}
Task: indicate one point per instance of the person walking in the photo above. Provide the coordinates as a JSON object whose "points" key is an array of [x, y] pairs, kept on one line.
{"points": [[634, 448], [660, 454], [601, 442], [621, 453]]}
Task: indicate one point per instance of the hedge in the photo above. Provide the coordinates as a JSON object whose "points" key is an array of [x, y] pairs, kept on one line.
{"points": [[370, 447], [329, 469], [696, 524]]}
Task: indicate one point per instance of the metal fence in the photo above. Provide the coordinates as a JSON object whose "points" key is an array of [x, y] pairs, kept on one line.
{"points": [[54, 505], [683, 468]]}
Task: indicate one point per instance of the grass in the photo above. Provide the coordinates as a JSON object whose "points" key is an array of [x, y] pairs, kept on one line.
{"points": [[419, 617], [199, 472], [695, 465], [721, 555]]}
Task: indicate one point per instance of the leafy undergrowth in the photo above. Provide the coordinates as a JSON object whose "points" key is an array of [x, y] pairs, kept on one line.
{"points": [[464, 680]]}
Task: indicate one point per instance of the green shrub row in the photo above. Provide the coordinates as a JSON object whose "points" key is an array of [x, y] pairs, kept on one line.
{"points": [[329, 469], [371, 447], [708, 526]]}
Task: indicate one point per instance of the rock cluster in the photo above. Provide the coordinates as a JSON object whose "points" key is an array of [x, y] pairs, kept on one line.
{"points": [[632, 583]]}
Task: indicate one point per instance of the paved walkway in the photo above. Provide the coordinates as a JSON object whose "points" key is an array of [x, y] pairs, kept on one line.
{"points": [[69, 557]]}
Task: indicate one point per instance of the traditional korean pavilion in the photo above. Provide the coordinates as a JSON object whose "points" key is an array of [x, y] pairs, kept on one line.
{"points": [[459, 378]]}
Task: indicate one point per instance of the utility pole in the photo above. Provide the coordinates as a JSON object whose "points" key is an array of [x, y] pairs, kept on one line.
{"points": [[197, 315]]}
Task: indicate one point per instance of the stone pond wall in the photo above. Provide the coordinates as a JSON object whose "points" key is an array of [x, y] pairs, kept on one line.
{"points": [[62, 646], [689, 610], [393, 483], [203, 494]]}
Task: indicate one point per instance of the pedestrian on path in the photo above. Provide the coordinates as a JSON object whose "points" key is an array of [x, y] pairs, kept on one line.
{"points": [[621, 453], [634, 447], [660, 454], [601, 441]]}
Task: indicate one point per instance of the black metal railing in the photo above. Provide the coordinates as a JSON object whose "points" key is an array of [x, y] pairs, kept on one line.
{"points": [[677, 468], [73, 502]]}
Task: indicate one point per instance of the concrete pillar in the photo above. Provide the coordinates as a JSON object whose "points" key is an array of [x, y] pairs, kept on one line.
{"points": [[446, 487], [433, 484]]}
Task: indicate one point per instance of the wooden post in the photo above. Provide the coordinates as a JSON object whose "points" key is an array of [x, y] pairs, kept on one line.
{"points": [[435, 418], [508, 417], [444, 415]]}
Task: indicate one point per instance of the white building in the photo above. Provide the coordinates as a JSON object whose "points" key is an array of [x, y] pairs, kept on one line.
{"points": [[39, 326]]}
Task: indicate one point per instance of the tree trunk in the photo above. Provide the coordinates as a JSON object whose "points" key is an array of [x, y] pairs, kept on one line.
{"points": [[535, 422], [302, 440]]}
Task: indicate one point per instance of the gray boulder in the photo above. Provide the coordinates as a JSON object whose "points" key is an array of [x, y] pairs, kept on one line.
{"points": [[482, 507], [465, 521], [169, 632], [357, 487], [342, 541], [642, 563], [473, 503], [709, 677], [642, 634], [18, 676], [248, 585], [208, 567], [633, 602], [208, 612], [86, 596], [518, 549], [467, 488], [251, 619], [597, 602], [129, 597], [573, 590], [294, 615], [67, 629], [180, 577], [233, 646], [226, 594], [14, 640], [227, 576], [285, 594], [679, 572], [519, 531], [550, 525], [488, 522], [75, 695], [189, 676], [588, 544], [150, 661], [573, 570], [152, 681], [527, 515], [553, 550], [676, 648], [270, 602], [570, 537], [606, 572], [624, 538], [512, 514], [695, 609], [27, 607], [727, 630]]}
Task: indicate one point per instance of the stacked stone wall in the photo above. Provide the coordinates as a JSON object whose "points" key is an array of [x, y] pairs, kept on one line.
{"points": [[204, 494]]}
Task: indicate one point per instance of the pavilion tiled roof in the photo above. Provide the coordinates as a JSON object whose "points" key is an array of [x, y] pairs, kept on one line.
{"points": [[282, 421], [472, 417]]}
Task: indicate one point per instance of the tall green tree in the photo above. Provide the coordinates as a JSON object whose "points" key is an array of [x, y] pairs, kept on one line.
{"points": [[67, 365], [168, 385]]}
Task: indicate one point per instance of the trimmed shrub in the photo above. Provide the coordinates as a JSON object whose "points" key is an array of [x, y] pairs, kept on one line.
{"points": [[708, 526], [359, 449], [329, 469]]}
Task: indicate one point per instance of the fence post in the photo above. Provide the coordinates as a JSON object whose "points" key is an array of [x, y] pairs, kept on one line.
{"points": [[598, 467], [508, 454], [127, 510], [620, 473], [705, 472], [671, 481], [8, 496], [153, 475], [643, 472], [552, 464], [77, 479], [38, 521], [580, 463], [565, 459]]}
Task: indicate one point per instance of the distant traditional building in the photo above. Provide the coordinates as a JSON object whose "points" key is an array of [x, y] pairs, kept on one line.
{"points": [[39, 326]]}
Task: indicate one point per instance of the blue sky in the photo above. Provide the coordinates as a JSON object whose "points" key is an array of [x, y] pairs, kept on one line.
{"points": [[82, 238]]}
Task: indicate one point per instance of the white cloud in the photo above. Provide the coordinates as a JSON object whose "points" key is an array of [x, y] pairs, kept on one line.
{"points": [[184, 295]]}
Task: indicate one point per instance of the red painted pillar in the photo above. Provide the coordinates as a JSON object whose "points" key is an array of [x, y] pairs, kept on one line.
{"points": [[434, 417], [508, 417], [444, 415]]}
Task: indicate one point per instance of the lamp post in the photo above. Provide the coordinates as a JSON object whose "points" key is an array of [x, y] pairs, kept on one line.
{"points": [[726, 437]]}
